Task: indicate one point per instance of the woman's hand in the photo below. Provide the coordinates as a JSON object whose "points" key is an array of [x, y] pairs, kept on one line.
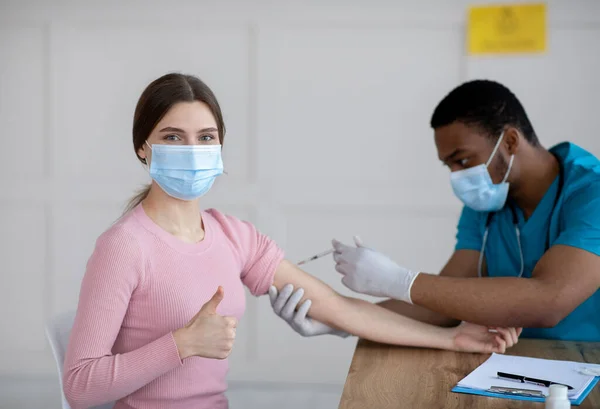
{"points": [[208, 334], [469, 337]]}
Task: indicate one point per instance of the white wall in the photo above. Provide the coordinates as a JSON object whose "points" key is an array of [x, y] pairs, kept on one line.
{"points": [[327, 106]]}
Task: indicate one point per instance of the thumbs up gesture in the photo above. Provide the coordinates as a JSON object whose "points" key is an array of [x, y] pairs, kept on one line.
{"points": [[208, 334]]}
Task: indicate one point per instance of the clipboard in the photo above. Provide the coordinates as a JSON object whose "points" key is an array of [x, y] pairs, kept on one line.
{"points": [[516, 396], [485, 380]]}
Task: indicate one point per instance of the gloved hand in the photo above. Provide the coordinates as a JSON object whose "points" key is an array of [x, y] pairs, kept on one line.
{"points": [[369, 272], [284, 304]]}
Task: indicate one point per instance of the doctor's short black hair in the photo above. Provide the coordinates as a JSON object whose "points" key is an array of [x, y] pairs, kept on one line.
{"points": [[487, 105]]}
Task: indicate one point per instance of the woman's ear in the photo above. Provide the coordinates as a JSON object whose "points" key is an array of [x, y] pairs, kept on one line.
{"points": [[141, 152], [512, 139]]}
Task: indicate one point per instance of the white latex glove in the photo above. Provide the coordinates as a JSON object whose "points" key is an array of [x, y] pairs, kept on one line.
{"points": [[284, 305], [369, 272]]}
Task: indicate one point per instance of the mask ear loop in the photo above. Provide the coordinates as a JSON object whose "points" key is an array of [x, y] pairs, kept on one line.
{"points": [[510, 163], [487, 164], [224, 171], [145, 163]]}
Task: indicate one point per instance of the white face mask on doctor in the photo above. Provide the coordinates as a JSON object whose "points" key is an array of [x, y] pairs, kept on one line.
{"points": [[474, 186]]}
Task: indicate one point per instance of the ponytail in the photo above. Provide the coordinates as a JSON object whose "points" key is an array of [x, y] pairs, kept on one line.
{"points": [[137, 199]]}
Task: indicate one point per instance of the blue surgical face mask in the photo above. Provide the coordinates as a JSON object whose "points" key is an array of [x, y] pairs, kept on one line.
{"points": [[474, 186], [185, 172]]}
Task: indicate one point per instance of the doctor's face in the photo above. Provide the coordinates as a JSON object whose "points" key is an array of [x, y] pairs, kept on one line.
{"points": [[462, 146]]}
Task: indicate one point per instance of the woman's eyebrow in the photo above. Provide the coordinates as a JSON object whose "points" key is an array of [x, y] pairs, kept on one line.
{"points": [[172, 129], [178, 130], [208, 130]]}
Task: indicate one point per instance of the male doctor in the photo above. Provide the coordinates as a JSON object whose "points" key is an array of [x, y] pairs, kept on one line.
{"points": [[528, 239]]}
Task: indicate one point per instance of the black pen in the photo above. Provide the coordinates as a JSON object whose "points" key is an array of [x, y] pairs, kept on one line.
{"points": [[525, 379]]}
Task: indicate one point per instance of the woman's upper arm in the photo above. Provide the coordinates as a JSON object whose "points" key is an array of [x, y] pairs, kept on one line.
{"points": [[257, 254]]}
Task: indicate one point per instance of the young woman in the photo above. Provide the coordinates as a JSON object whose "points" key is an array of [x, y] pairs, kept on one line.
{"points": [[163, 289]]}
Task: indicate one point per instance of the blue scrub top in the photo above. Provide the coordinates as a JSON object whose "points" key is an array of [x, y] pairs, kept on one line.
{"points": [[574, 222]]}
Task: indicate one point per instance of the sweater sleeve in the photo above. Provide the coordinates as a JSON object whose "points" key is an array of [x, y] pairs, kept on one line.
{"points": [[258, 255], [92, 374], [261, 257]]}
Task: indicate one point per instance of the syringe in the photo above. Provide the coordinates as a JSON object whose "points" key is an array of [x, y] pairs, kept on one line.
{"points": [[323, 254]]}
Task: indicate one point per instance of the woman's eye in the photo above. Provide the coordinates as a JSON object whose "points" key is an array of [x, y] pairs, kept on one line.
{"points": [[207, 138], [172, 138], [463, 162]]}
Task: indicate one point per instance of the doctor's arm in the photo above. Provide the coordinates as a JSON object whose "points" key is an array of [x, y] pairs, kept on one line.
{"points": [[566, 275], [563, 279], [375, 323]]}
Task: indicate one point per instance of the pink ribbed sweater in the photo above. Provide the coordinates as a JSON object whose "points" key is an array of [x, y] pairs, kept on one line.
{"points": [[141, 284]]}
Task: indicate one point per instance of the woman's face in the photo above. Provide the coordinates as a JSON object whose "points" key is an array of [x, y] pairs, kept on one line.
{"points": [[186, 123]]}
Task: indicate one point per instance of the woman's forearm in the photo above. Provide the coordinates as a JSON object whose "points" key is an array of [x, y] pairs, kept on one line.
{"points": [[361, 318], [372, 322]]}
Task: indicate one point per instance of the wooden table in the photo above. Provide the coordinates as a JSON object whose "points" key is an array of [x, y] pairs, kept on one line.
{"points": [[384, 376]]}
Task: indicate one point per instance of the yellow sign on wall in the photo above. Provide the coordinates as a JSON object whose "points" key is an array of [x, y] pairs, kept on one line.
{"points": [[507, 29]]}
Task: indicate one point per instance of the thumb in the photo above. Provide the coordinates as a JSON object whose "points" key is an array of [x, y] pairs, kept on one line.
{"points": [[358, 241], [211, 306], [338, 246], [273, 293]]}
